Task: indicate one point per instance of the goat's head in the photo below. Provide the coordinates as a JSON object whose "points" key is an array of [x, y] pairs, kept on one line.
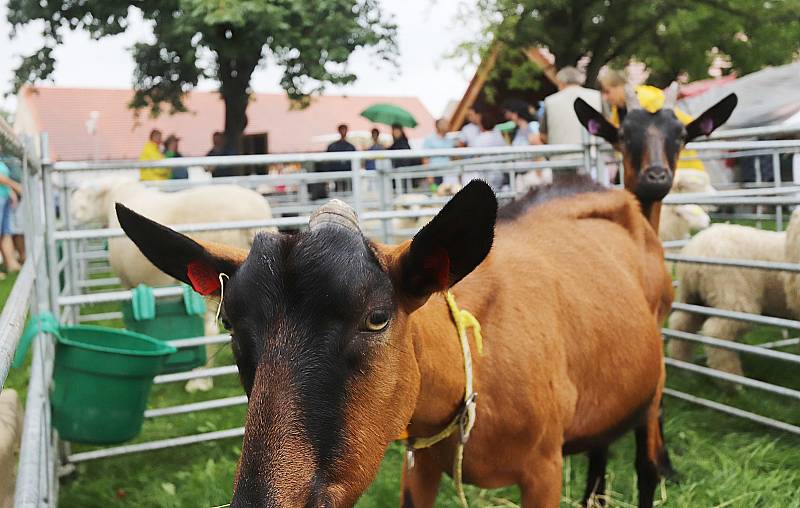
{"points": [[320, 331], [650, 143]]}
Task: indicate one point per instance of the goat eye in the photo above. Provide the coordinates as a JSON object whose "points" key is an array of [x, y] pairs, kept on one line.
{"points": [[377, 320], [226, 324]]}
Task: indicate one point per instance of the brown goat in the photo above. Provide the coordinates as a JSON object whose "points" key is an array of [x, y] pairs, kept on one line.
{"points": [[650, 143], [343, 344]]}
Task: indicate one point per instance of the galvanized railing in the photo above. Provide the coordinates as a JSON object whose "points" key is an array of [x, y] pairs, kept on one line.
{"points": [[37, 483]]}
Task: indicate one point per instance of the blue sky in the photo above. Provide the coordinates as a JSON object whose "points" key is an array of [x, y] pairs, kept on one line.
{"points": [[428, 31]]}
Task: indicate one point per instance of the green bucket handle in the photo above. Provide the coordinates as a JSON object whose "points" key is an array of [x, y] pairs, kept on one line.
{"points": [[143, 302], [193, 302], [38, 323]]}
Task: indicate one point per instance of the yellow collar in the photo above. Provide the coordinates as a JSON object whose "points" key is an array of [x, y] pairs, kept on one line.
{"points": [[465, 418]]}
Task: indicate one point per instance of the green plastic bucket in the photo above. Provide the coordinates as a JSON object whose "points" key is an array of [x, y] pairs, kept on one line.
{"points": [[169, 319], [101, 382]]}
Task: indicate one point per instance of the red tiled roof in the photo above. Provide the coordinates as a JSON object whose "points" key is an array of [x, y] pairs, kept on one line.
{"points": [[703, 85], [63, 113]]}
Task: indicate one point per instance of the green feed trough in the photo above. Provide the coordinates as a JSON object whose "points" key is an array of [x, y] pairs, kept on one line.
{"points": [[101, 382]]}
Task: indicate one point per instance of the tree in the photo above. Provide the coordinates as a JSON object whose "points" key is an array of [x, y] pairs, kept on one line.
{"points": [[225, 40], [670, 36]]}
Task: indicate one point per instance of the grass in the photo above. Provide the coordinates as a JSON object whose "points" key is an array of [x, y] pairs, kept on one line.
{"points": [[722, 461]]}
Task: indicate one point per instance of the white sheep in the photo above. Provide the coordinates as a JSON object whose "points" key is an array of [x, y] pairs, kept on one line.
{"points": [[739, 289], [678, 222], [94, 203]]}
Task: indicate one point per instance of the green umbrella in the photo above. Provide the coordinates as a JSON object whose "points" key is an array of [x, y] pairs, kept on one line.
{"points": [[506, 126], [389, 114]]}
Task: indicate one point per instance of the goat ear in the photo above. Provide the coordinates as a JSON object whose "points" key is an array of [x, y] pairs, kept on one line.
{"points": [[198, 264], [595, 122], [711, 118], [453, 244]]}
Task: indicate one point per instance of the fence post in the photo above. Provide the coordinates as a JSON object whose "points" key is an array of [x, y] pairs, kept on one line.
{"points": [[586, 141], [383, 195], [302, 185], [776, 172], [759, 208], [36, 484], [71, 268], [355, 176], [49, 238]]}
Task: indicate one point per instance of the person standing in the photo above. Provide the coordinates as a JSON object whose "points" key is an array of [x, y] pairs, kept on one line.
{"points": [[369, 164], [526, 134], [17, 227], [560, 124], [487, 138], [527, 128], [440, 140], [217, 150], [612, 82], [319, 190], [171, 151], [217, 145], [10, 193], [401, 143], [340, 145], [152, 152], [472, 129]]}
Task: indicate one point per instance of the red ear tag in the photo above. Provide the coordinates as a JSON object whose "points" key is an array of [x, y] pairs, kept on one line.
{"points": [[204, 279]]}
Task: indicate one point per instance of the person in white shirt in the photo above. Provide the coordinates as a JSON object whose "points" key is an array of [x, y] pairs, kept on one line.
{"points": [[470, 131], [560, 124], [486, 138]]}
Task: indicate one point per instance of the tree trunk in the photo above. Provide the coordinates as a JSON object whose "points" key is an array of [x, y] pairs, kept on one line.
{"points": [[235, 76], [592, 71]]}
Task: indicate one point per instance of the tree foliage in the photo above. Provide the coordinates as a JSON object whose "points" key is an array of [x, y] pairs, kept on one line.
{"points": [[670, 36], [224, 40]]}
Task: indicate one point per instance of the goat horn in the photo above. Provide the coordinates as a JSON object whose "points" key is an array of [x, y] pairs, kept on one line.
{"points": [[334, 212], [631, 99], [670, 96]]}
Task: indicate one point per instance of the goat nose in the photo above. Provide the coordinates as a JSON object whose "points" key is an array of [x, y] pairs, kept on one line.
{"points": [[656, 174]]}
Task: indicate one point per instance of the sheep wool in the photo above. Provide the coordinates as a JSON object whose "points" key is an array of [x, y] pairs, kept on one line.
{"points": [[738, 289]]}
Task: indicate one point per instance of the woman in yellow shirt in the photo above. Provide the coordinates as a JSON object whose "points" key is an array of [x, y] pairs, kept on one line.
{"points": [[152, 152], [612, 84]]}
